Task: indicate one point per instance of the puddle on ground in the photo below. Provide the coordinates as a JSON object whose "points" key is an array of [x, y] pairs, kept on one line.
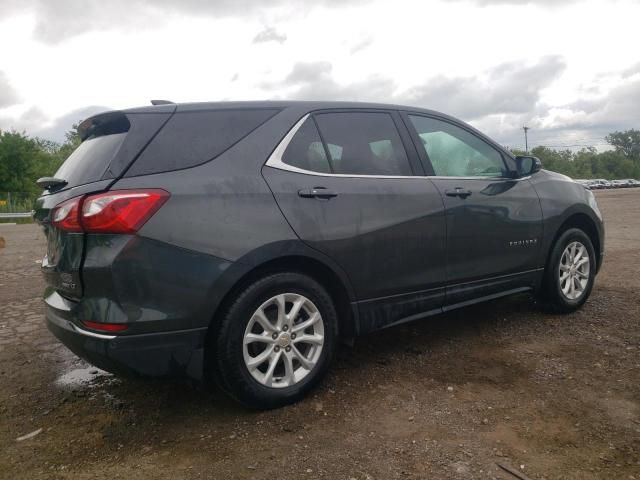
{"points": [[82, 377], [86, 382]]}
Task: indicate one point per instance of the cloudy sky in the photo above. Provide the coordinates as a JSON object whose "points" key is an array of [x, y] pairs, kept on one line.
{"points": [[568, 69]]}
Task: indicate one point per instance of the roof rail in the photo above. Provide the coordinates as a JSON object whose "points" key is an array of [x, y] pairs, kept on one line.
{"points": [[162, 102]]}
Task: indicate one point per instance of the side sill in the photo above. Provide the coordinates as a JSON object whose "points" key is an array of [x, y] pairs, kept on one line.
{"points": [[455, 306], [417, 316], [486, 298]]}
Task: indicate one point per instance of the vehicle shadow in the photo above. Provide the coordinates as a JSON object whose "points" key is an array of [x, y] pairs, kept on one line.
{"points": [[483, 322], [424, 354]]}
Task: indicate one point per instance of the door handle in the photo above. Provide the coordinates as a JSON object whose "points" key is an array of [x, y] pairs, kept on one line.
{"points": [[458, 192], [317, 192]]}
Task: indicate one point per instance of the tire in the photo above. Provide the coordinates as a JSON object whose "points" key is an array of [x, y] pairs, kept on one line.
{"points": [[557, 293], [269, 385]]}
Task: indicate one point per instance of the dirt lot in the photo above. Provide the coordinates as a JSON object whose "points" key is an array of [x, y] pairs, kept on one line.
{"points": [[450, 397]]}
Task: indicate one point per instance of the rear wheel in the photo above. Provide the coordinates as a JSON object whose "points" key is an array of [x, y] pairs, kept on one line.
{"points": [[275, 341], [570, 274]]}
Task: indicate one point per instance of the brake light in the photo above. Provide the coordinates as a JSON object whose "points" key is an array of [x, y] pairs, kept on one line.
{"points": [[66, 215], [105, 327], [119, 211]]}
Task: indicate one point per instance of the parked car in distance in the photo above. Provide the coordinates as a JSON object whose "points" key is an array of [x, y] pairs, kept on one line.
{"points": [[585, 183], [630, 182], [241, 242], [619, 183], [600, 183]]}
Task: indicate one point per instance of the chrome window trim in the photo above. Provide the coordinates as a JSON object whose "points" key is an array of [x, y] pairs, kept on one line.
{"points": [[275, 161], [442, 177]]}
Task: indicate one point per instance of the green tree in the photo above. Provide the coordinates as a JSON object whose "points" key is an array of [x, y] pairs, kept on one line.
{"points": [[587, 162], [72, 140], [19, 159], [557, 160], [23, 160], [627, 142]]}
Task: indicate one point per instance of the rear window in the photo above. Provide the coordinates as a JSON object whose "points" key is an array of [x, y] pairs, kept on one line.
{"points": [[194, 138], [90, 160]]}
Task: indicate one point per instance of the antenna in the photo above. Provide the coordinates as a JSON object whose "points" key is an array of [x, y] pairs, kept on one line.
{"points": [[162, 102]]}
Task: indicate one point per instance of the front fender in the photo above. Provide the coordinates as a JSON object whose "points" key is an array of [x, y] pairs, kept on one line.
{"points": [[564, 202]]}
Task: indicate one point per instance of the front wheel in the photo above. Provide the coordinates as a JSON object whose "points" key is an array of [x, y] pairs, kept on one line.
{"points": [[571, 271], [276, 340]]}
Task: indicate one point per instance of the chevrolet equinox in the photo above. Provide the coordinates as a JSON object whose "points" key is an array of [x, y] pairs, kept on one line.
{"points": [[240, 242]]}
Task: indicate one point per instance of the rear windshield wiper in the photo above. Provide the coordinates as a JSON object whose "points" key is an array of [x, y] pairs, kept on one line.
{"points": [[51, 183]]}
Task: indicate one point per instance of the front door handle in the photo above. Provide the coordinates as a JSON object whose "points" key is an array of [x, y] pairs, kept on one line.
{"points": [[317, 192], [458, 192]]}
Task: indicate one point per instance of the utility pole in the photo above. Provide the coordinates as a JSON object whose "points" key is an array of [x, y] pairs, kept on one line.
{"points": [[526, 142]]}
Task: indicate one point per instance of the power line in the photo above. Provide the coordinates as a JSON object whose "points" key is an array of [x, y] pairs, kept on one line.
{"points": [[521, 147], [575, 145], [566, 140], [543, 144]]}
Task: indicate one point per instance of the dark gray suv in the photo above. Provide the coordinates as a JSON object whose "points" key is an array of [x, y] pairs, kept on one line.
{"points": [[240, 242]]}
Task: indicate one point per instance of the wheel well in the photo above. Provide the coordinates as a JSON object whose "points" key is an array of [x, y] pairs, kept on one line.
{"points": [[304, 265], [584, 223]]}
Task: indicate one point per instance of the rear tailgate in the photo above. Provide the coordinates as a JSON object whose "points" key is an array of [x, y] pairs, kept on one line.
{"points": [[111, 143]]}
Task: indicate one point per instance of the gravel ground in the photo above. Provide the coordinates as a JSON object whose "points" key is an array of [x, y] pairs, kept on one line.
{"points": [[555, 397]]}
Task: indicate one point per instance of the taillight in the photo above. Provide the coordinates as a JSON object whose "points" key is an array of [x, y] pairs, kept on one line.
{"points": [[66, 215], [105, 327], [119, 211]]}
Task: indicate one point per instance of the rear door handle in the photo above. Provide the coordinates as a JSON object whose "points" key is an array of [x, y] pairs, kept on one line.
{"points": [[317, 192], [458, 192]]}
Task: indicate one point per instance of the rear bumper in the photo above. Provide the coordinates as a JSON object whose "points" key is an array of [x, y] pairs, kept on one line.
{"points": [[164, 354]]}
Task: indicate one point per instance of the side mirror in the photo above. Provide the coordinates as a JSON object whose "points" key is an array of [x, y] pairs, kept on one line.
{"points": [[527, 165]]}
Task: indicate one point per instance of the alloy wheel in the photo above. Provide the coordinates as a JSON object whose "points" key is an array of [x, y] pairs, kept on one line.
{"points": [[574, 270], [283, 340]]}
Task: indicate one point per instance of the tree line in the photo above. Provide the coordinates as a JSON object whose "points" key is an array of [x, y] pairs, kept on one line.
{"points": [[622, 161], [24, 159]]}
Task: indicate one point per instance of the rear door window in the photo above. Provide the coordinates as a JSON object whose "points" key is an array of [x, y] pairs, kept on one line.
{"points": [[193, 138], [363, 143]]}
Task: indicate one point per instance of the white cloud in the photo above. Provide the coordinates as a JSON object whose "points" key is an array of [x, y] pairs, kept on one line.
{"points": [[314, 81], [497, 63], [62, 19], [269, 34], [512, 87], [545, 3], [37, 123], [361, 45], [8, 94]]}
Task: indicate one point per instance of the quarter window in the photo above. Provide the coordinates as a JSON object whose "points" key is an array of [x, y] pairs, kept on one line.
{"points": [[306, 151], [196, 137], [454, 152]]}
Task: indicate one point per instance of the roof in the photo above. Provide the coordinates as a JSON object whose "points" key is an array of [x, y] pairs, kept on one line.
{"points": [[298, 104]]}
